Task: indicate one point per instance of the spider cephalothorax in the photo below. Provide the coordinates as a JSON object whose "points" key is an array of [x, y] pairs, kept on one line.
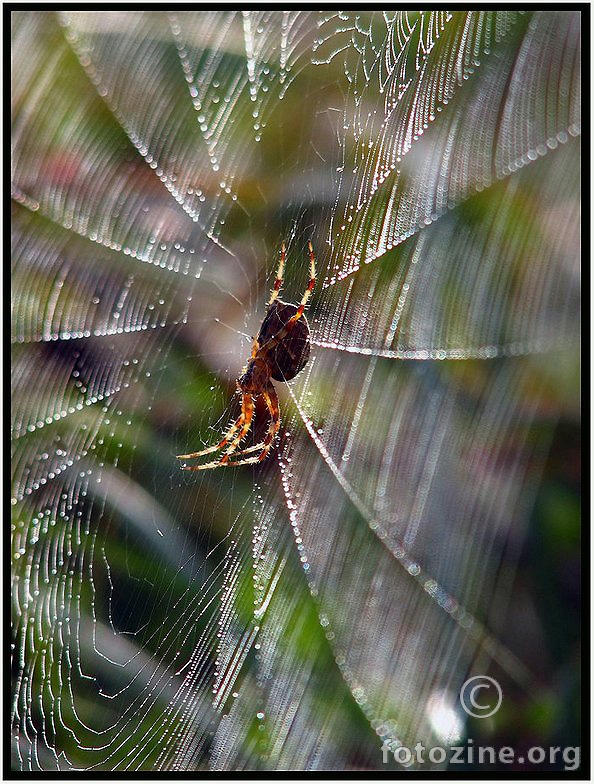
{"points": [[279, 352]]}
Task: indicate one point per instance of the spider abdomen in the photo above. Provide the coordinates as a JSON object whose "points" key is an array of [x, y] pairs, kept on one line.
{"points": [[291, 353]]}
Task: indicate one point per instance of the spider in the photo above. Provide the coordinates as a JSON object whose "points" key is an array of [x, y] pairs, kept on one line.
{"points": [[279, 352]]}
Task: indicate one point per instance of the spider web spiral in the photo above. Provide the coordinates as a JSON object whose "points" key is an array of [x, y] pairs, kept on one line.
{"points": [[296, 615]]}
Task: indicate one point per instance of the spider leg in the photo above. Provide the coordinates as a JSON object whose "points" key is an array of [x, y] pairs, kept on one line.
{"points": [[243, 431], [255, 349], [226, 438], [216, 447], [312, 276], [271, 400], [247, 406], [279, 277]]}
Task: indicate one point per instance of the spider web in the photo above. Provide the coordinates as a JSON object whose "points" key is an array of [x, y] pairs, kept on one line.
{"points": [[298, 614]]}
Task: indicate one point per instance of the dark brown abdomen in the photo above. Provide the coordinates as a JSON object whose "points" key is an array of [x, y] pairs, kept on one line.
{"points": [[291, 354]]}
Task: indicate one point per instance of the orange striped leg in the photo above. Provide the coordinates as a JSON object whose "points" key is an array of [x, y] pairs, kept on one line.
{"points": [[233, 429], [227, 437], [247, 405], [312, 275], [271, 400], [279, 277]]}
